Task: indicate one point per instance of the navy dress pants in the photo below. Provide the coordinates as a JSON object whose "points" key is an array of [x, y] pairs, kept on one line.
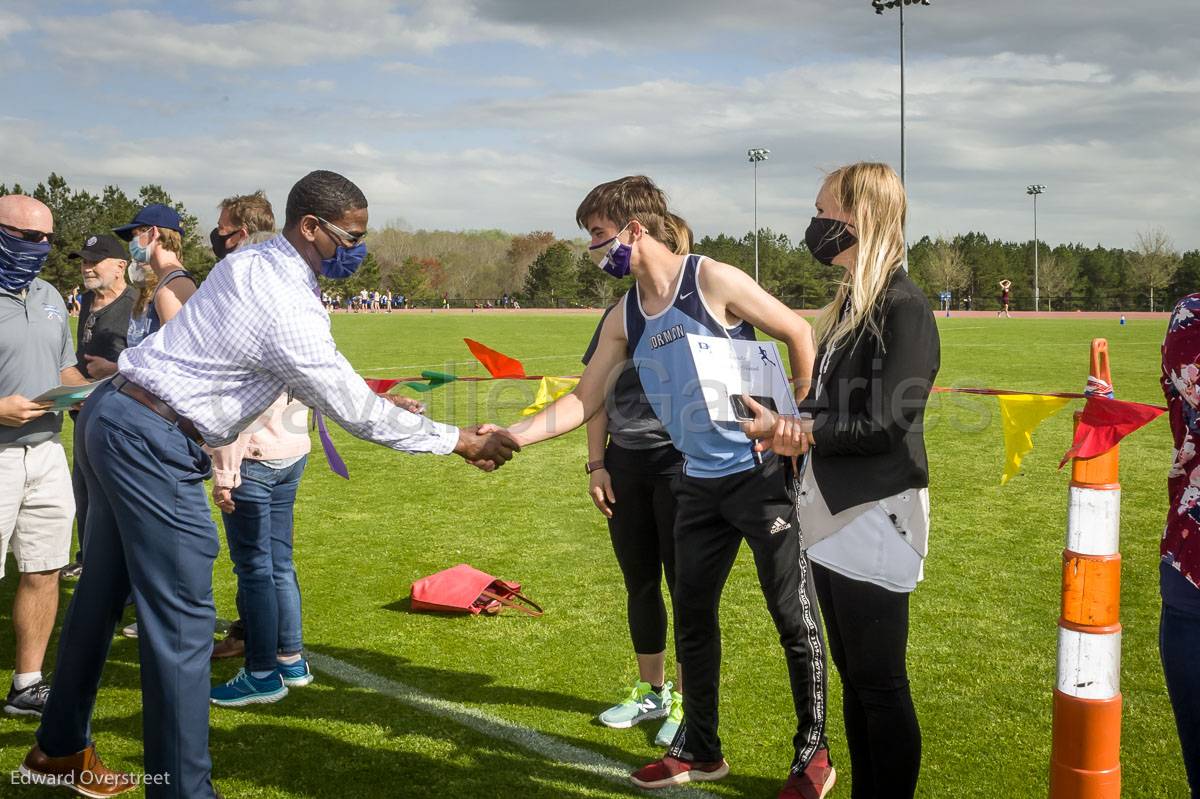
{"points": [[149, 534]]}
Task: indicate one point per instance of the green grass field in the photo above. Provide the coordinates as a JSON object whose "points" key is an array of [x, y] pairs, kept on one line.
{"points": [[982, 648]]}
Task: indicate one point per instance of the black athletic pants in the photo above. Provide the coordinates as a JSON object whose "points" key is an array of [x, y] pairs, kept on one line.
{"points": [[642, 532], [714, 515], [868, 638]]}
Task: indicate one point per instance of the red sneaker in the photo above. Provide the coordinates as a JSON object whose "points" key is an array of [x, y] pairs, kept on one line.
{"points": [[673, 771], [815, 782]]}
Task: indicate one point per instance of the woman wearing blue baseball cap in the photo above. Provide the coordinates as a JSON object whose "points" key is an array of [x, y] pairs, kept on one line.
{"points": [[155, 239]]}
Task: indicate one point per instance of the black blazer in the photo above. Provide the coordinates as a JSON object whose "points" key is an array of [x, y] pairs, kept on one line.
{"points": [[868, 420]]}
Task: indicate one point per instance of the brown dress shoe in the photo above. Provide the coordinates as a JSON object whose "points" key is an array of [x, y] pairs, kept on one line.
{"points": [[82, 772], [229, 647]]}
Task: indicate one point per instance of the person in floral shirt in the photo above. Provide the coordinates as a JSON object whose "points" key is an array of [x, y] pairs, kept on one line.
{"points": [[1179, 570]]}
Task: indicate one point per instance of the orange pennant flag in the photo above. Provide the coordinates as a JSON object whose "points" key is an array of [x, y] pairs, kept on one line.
{"points": [[498, 364]]}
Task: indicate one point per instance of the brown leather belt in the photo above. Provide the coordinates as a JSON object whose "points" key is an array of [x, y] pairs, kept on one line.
{"points": [[123, 385]]}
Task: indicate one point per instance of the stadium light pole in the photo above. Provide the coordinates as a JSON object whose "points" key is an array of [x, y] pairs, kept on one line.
{"points": [[756, 154], [1033, 190], [879, 6]]}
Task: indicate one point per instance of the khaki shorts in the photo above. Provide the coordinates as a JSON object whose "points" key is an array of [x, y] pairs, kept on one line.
{"points": [[37, 507]]}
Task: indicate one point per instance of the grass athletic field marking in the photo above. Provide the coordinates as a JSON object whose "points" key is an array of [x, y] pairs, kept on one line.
{"points": [[492, 726]]}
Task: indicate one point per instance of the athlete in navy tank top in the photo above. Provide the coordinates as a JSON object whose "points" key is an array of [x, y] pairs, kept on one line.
{"points": [[725, 497], [658, 347]]}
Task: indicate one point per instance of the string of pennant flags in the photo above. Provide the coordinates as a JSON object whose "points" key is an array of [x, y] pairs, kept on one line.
{"points": [[1101, 426]]}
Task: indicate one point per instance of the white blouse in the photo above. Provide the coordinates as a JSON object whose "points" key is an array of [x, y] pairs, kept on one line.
{"points": [[883, 543]]}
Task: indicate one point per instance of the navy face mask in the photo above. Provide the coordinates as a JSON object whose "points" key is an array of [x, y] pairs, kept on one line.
{"points": [[828, 238], [345, 261], [20, 261]]}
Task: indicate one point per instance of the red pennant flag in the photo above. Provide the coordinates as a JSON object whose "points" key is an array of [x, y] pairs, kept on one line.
{"points": [[380, 385], [1104, 423], [498, 364]]}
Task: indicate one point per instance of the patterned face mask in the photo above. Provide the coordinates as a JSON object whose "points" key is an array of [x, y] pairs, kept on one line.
{"points": [[612, 255], [20, 261]]}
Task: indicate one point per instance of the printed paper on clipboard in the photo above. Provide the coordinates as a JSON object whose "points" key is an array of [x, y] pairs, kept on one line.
{"points": [[66, 397], [728, 368]]}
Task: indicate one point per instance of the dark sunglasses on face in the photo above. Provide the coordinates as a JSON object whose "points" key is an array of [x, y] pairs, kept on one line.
{"points": [[34, 236], [348, 239]]}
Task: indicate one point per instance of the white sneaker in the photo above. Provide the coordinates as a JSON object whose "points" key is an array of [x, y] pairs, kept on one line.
{"points": [[666, 733], [130, 630], [641, 704]]}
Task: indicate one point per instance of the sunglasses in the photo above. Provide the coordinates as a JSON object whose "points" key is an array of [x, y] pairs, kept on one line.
{"points": [[351, 239], [34, 236]]}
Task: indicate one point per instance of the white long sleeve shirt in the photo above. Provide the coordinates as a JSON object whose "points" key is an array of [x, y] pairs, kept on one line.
{"points": [[254, 329]]}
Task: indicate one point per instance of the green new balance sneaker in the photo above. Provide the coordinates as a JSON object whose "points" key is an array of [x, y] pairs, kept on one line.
{"points": [[666, 733], [641, 704]]}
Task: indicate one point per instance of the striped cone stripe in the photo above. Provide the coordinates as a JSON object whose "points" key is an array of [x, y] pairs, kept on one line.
{"points": [[1085, 752]]}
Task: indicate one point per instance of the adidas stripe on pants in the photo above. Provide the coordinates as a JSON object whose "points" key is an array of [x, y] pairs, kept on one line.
{"points": [[714, 515]]}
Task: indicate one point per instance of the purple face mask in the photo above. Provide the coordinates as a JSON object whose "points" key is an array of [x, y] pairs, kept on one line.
{"points": [[612, 255]]}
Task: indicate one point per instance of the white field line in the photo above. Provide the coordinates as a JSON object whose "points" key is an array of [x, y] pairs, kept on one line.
{"points": [[493, 726]]}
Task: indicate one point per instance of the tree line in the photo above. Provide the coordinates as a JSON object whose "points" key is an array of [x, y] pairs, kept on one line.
{"points": [[541, 270]]}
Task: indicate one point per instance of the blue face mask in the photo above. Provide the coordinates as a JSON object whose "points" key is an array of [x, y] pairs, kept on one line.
{"points": [[138, 252], [20, 261], [612, 255], [345, 261]]}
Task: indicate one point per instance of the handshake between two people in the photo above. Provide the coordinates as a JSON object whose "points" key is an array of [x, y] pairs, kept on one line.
{"points": [[485, 446], [788, 436]]}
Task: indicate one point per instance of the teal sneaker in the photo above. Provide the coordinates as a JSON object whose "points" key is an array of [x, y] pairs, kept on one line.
{"points": [[296, 675], [244, 689], [666, 733], [641, 704]]}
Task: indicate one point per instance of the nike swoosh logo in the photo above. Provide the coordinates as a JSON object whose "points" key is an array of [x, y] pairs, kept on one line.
{"points": [[685, 296]]}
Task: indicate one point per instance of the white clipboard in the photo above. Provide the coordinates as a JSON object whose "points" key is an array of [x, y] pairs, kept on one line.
{"points": [[728, 368]]}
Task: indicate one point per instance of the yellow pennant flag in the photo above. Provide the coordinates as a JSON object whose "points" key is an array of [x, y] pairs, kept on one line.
{"points": [[548, 390], [1021, 414]]}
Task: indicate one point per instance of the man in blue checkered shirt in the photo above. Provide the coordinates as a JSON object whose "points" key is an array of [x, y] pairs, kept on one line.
{"points": [[254, 329]]}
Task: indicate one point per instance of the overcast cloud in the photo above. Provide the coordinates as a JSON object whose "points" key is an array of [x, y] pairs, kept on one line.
{"points": [[503, 113]]}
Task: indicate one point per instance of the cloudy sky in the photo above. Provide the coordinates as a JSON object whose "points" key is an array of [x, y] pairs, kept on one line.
{"points": [[503, 113]]}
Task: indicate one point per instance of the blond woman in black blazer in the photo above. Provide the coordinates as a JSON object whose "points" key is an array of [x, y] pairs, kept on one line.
{"points": [[864, 492]]}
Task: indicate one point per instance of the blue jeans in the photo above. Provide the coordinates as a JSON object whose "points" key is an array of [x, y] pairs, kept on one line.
{"points": [[259, 532], [149, 532], [1179, 647]]}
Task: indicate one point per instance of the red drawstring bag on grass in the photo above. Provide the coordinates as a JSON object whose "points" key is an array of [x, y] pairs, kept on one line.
{"points": [[465, 589]]}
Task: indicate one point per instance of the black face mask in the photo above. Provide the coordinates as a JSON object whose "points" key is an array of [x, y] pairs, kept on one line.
{"points": [[828, 238], [219, 246]]}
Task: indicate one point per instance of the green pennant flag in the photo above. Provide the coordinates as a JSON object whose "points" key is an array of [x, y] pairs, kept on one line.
{"points": [[435, 379]]}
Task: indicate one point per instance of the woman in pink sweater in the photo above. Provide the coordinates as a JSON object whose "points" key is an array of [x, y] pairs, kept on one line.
{"points": [[255, 480]]}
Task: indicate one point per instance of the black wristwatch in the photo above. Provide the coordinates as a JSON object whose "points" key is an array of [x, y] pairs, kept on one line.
{"points": [[593, 466]]}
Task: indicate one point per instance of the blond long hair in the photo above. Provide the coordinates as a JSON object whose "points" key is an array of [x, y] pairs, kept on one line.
{"points": [[874, 197], [145, 291]]}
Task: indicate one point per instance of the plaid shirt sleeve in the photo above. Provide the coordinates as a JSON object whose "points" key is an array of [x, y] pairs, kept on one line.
{"points": [[301, 352]]}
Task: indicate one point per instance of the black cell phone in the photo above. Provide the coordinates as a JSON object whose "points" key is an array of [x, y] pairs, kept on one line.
{"points": [[742, 413]]}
